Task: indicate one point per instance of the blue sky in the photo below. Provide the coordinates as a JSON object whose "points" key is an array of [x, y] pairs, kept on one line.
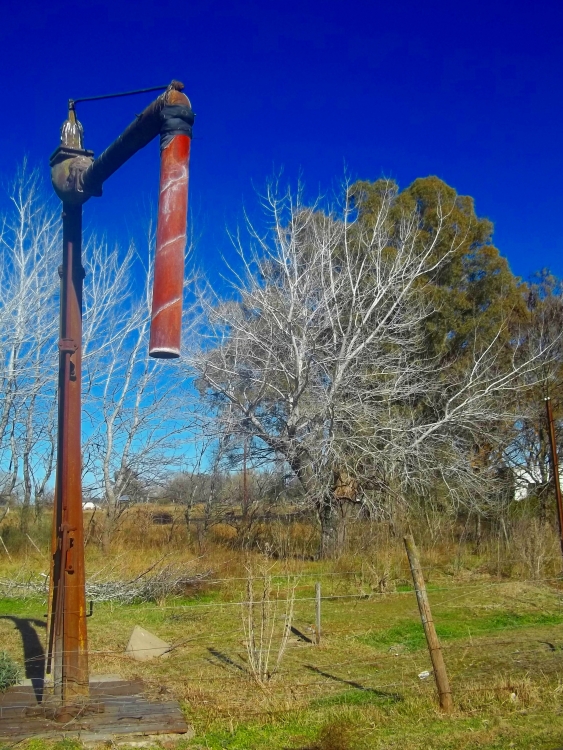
{"points": [[468, 91]]}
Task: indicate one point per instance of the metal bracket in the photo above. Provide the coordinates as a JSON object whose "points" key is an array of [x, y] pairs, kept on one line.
{"points": [[67, 346], [67, 170]]}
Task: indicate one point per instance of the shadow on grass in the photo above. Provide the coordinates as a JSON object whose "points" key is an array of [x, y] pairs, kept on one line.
{"points": [[300, 635], [373, 692], [225, 660], [33, 651]]}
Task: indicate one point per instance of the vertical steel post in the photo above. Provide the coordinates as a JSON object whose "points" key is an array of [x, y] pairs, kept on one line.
{"points": [[67, 657], [555, 467], [68, 634]]}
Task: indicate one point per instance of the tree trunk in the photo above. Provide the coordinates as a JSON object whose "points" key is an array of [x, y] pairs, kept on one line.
{"points": [[334, 514], [26, 504], [110, 522], [328, 517], [335, 510]]}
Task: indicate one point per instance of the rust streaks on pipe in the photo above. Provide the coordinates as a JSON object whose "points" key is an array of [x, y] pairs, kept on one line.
{"points": [[166, 320]]}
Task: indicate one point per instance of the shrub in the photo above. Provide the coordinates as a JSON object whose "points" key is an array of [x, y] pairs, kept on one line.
{"points": [[9, 672]]}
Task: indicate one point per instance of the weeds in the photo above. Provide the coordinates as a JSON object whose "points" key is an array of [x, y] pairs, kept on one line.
{"points": [[10, 672], [502, 638], [151, 585], [336, 735]]}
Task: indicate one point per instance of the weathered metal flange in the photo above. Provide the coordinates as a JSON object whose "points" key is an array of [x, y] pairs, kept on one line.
{"points": [[67, 168]]}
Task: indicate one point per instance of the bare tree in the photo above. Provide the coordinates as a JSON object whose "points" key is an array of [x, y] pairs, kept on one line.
{"points": [[132, 408], [30, 241], [319, 359]]}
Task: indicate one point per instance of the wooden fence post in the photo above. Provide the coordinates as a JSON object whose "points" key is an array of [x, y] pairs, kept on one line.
{"points": [[318, 610], [440, 674]]}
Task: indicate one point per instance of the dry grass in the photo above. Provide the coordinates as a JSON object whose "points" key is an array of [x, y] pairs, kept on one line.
{"points": [[502, 640]]}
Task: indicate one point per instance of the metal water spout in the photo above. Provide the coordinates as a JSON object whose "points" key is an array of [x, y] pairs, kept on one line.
{"points": [[76, 177]]}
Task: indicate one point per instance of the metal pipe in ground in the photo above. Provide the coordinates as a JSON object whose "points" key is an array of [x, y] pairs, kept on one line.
{"points": [[555, 467], [438, 664], [68, 646]]}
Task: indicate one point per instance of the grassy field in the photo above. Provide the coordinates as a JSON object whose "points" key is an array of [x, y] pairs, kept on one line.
{"points": [[360, 688]]}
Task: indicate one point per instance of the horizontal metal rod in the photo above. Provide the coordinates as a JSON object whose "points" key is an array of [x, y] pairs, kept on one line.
{"points": [[71, 102]]}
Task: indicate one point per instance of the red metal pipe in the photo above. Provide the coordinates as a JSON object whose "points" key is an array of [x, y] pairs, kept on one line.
{"points": [[142, 130], [166, 321]]}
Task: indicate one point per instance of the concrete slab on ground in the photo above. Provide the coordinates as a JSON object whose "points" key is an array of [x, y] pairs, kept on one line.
{"points": [[143, 645]]}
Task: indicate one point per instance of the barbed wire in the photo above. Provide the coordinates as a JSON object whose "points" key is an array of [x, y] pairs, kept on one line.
{"points": [[372, 661], [391, 672]]}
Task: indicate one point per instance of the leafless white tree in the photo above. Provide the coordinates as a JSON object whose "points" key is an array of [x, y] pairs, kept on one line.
{"points": [[138, 414], [30, 243], [319, 358], [132, 414]]}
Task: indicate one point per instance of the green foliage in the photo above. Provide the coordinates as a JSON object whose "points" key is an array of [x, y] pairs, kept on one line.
{"points": [[10, 672], [458, 624], [37, 744], [68, 744], [356, 697], [251, 736], [475, 300], [474, 292]]}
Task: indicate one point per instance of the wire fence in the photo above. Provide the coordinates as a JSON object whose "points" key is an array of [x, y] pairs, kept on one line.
{"points": [[372, 643]]}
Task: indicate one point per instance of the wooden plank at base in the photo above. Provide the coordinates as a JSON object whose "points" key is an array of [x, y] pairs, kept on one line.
{"points": [[117, 687], [123, 715]]}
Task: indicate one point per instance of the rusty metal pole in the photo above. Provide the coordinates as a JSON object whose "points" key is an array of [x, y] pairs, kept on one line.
{"points": [[555, 467], [69, 635], [76, 177], [68, 646]]}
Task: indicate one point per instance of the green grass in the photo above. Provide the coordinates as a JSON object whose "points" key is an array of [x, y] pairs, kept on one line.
{"points": [[356, 697], [451, 626], [351, 677], [258, 736], [404, 587], [28, 606]]}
